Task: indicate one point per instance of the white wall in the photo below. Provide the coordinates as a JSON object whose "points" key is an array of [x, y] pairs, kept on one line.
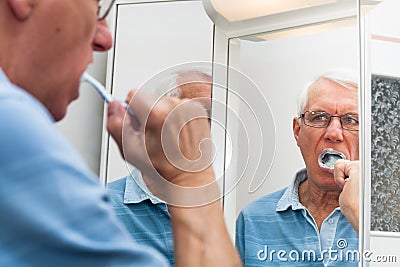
{"points": [[83, 124]]}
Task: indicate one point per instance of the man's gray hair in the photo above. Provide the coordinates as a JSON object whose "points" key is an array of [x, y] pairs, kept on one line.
{"points": [[185, 77], [345, 78]]}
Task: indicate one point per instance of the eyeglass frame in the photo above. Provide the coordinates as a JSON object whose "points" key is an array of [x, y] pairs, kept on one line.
{"points": [[329, 121], [103, 16]]}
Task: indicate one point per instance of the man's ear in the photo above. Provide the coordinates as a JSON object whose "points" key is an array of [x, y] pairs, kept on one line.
{"points": [[296, 128], [22, 9]]}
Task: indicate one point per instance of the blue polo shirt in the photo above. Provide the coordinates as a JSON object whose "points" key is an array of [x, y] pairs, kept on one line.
{"points": [[144, 215], [53, 210], [277, 230]]}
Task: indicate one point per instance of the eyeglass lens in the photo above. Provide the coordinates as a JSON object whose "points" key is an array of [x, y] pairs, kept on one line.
{"points": [[321, 119]]}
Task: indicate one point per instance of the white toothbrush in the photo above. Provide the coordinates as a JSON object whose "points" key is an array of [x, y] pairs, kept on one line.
{"points": [[104, 93]]}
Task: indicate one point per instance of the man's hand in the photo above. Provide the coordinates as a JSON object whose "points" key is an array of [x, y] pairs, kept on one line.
{"points": [[170, 143], [346, 174]]}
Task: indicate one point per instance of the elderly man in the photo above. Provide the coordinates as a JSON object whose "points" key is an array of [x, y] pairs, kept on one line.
{"points": [[54, 212], [303, 224], [146, 216]]}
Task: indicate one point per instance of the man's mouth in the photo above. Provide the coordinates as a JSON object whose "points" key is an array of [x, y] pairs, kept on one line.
{"points": [[327, 159]]}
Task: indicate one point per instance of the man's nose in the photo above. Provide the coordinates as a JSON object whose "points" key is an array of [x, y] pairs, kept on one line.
{"points": [[334, 131], [102, 40]]}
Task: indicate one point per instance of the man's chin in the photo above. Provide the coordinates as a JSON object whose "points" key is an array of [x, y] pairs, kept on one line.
{"points": [[59, 116], [60, 111]]}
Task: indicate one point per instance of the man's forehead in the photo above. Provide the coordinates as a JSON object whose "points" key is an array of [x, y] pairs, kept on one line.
{"points": [[328, 88], [333, 105]]}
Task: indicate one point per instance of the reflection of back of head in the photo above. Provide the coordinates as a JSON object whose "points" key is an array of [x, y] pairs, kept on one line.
{"points": [[192, 85]]}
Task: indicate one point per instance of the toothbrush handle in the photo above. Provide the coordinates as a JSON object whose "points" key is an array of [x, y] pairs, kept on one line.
{"points": [[101, 90], [127, 108]]}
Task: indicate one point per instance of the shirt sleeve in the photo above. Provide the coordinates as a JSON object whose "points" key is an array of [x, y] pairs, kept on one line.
{"points": [[239, 240], [54, 212]]}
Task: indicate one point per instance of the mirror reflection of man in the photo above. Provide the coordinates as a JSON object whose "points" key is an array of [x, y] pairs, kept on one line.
{"points": [[305, 216], [145, 215]]}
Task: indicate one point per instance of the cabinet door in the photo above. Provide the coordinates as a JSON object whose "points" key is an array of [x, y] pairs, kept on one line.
{"points": [[150, 37], [382, 78]]}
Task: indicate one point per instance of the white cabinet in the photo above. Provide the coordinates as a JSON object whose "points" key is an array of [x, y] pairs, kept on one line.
{"points": [[381, 34]]}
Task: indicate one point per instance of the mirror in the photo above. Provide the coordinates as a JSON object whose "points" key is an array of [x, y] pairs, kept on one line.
{"points": [[149, 40], [281, 64]]}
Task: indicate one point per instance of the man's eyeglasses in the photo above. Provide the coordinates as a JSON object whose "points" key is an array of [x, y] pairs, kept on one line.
{"points": [[104, 8], [322, 119]]}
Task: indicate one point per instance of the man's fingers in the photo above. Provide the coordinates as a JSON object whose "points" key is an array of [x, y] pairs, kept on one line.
{"points": [[340, 172], [141, 104], [115, 122]]}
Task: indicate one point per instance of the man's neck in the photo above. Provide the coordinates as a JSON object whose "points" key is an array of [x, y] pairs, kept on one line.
{"points": [[319, 203]]}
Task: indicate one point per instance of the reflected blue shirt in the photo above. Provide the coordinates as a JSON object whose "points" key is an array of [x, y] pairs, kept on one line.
{"points": [[53, 210], [144, 215], [277, 230]]}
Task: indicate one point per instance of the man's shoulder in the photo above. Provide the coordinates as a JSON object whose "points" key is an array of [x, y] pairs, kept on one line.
{"points": [[17, 102], [116, 191], [117, 185], [33, 138], [264, 204]]}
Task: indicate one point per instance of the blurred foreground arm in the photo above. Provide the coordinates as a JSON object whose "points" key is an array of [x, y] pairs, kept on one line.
{"points": [[349, 198], [174, 152]]}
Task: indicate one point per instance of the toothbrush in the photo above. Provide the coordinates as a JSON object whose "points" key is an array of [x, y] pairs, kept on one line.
{"points": [[104, 93]]}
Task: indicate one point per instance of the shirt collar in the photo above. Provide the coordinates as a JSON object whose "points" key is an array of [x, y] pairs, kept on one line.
{"points": [[136, 190], [291, 195]]}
